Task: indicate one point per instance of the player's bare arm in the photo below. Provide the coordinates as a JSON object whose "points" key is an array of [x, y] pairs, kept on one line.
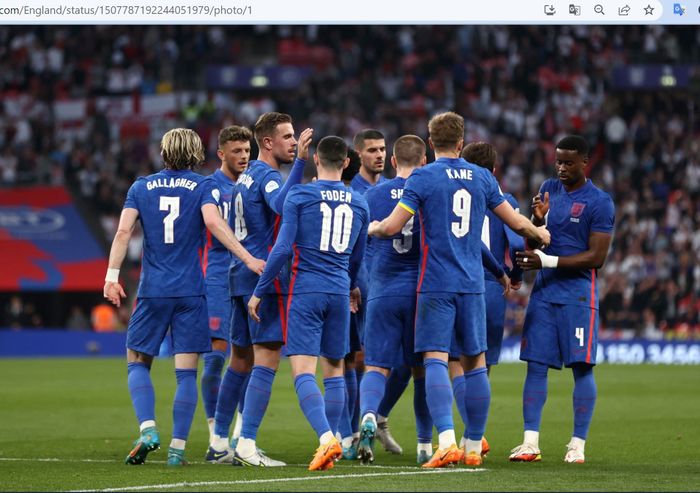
{"points": [[221, 230], [253, 305], [391, 225], [113, 291], [593, 258], [522, 225], [540, 207]]}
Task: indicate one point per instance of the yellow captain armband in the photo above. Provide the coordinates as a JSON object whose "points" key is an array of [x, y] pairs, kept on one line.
{"points": [[404, 206]]}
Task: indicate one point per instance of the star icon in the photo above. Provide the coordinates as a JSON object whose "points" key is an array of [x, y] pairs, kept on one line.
{"points": [[648, 10]]}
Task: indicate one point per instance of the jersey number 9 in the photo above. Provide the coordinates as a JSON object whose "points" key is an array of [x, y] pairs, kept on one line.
{"points": [[462, 208]]}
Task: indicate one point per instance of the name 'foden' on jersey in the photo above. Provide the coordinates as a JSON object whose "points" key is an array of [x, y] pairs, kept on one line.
{"points": [[336, 195], [459, 174], [171, 183]]}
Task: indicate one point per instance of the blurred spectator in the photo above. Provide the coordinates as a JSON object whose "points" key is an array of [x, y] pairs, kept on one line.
{"points": [[104, 318], [77, 319]]}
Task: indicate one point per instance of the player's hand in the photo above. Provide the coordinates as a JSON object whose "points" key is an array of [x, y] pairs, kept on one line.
{"points": [[114, 292], [253, 305], [355, 300], [515, 285], [372, 228], [505, 282], [544, 237], [528, 260], [256, 265], [304, 143], [540, 206]]}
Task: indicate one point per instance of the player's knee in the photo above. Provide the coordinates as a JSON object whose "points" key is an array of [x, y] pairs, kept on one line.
{"points": [[138, 357], [219, 345]]}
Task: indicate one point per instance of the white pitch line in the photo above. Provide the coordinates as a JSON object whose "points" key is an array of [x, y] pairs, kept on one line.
{"points": [[280, 480]]}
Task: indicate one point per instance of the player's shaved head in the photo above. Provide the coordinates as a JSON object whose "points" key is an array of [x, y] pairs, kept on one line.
{"points": [[267, 125], [332, 152], [480, 153], [234, 133], [446, 130], [181, 148], [409, 151], [574, 143], [367, 134]]}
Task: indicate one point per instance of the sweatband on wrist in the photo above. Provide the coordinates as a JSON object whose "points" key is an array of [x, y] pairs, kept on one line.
{"points": [[112, 275], [548, 261]]}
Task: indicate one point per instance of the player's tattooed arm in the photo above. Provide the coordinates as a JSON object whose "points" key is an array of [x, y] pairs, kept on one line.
{"points": [[222, 231], [113, 291]]}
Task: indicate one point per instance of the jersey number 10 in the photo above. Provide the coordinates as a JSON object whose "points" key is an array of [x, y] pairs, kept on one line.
{"points": [[337, 221]]}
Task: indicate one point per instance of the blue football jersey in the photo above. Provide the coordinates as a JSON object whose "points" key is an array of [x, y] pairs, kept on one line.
{"points": [[255, 223], [451, 197], [572, 217], [496, 235], [169, 205], [394, 269], [324, 223], [359, 184], [217, 257]]}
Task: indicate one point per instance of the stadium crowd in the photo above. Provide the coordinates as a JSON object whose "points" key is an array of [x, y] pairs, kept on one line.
{"points": [[519, 88]]}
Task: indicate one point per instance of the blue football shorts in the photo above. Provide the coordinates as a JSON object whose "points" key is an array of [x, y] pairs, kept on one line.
{"points": [[557, 335], [185, 316]]}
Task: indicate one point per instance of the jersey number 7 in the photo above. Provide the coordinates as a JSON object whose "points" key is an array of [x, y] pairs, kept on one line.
{"points": [[171, 204]]}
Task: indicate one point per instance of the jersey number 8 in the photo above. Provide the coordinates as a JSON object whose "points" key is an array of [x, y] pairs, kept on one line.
{"points": [[339, 221]]}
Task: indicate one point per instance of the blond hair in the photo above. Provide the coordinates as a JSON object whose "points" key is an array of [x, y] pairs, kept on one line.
{"points": [[181, 148], [446, 130]]}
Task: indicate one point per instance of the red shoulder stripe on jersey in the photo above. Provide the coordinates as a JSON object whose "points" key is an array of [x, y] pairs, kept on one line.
{"points": [[295, 270], [205, 257], [592, 322]]}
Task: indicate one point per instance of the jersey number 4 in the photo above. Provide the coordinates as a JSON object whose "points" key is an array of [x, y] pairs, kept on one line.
{"points": [[336, 227], [172, 205]]}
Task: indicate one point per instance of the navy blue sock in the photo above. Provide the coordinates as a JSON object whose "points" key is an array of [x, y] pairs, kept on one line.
{"points": [[477, 400], [424, 423], [395, 386], [355, 419], [458, 386], [311, 402], [371, 392], [534, 395], [344, 425], [211, 380], [585, 394], [141, 389], [352, 387], [244, 388], [257, 399], [334, 400], [438, 392], [229, 394], [185, 402]]}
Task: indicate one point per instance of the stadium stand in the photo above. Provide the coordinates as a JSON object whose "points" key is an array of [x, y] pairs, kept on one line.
{"points": [[84, 107]]}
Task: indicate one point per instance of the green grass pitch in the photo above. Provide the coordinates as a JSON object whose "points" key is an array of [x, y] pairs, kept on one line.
{"points": [[67, 424]]}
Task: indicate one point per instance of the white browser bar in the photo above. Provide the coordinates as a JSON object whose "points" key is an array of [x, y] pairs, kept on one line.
{"points": [[329, 12]]}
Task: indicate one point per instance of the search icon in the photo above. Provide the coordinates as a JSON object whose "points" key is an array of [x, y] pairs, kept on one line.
{"points": [[598, 9]]}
